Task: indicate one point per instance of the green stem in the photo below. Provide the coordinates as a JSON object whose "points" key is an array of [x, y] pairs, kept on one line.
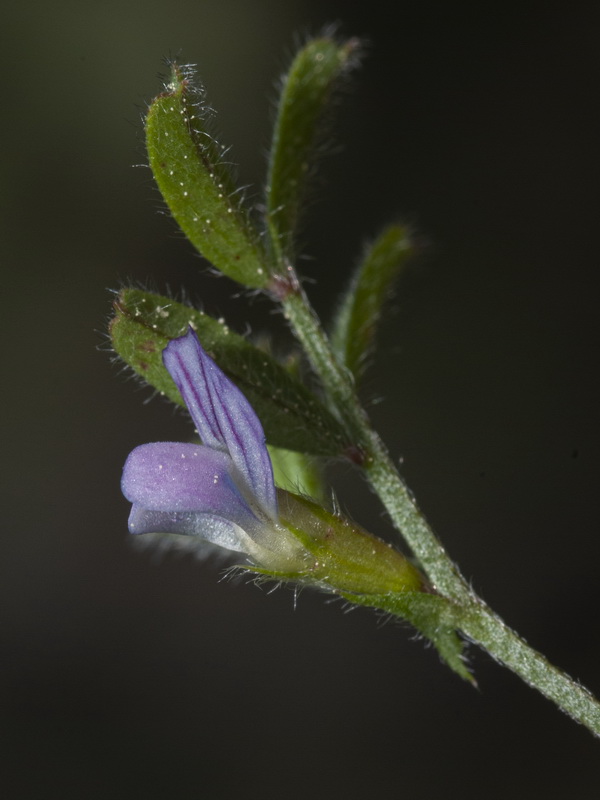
{"points": [[471, 615], [377, 465], [482, 626]]}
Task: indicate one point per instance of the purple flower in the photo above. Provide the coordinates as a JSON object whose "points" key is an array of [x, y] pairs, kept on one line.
{"points": [[221, 490]]}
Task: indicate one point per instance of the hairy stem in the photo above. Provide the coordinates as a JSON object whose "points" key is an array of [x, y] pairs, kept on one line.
{"points": [[477, 622], [377, 463], [482, 626]]}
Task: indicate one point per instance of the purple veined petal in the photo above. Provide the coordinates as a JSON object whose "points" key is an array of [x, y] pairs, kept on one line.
{"points": [[222, 414], [172, 477], [212, 529]]}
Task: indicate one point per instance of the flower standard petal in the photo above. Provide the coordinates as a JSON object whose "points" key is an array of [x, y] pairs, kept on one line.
{"points": [[223, 416], [179, 478]]}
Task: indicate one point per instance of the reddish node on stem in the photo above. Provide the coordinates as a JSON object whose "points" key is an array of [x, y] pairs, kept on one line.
{"points": [[282, 286], [356, 455]]}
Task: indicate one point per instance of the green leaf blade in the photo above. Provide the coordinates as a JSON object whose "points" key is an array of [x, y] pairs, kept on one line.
{"points": [[355, 324], [292, 417], [306, 95], [197, 186]]}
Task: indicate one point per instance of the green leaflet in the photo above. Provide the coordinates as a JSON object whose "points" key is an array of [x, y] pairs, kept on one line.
{"points": [[306, 95], [292, 417], [196, 184], [355, 324], [431, 615]]}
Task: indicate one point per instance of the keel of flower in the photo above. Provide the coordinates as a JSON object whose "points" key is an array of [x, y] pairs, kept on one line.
{"points": [[223, 491]]}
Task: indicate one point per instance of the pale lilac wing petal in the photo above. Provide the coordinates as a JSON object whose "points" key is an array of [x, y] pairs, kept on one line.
{"points": [[213, 529], [223, 416], [172, 477]]}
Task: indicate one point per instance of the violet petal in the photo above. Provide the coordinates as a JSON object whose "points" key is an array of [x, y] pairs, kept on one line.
{"points": [[222, 415], [173, 477], [213, 529]]}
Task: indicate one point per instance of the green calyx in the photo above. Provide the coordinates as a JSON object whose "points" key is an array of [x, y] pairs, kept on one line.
{"points": [[344, 556]]}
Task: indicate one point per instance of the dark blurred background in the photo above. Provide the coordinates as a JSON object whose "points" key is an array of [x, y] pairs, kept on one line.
{"points": [[125, 677]]}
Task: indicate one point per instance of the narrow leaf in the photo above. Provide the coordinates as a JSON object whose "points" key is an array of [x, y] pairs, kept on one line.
{"points": [[355, 324], [292, 417], [306, 94], [196, 184], [431, 616]]}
